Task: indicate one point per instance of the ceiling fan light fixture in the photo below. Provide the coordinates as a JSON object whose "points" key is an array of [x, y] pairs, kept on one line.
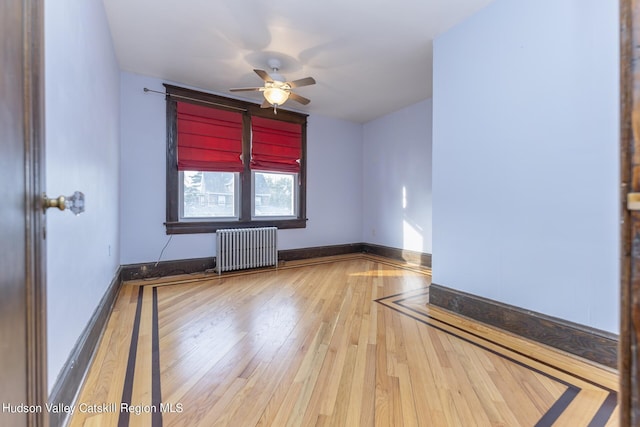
{"points": [[276, 95], [277, 90]]}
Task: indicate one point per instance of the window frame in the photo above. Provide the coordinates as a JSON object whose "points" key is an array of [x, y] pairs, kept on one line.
{"points": [[174, 224]]}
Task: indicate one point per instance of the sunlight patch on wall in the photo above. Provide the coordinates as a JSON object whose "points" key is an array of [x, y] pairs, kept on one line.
{"points": [[412, 237], [411, 233]]}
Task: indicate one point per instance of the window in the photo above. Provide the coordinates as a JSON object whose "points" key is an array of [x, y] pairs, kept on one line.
{"points": [[232, 164], [207, 195], [275, 194]]}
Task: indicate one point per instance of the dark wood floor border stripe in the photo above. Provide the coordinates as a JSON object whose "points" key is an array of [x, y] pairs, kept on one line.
{"points": [[156, 390], [552, 415], [398, 264], [69, 382], [320, 261], [583, 341], [419, 293], [127, 389], [560, 405], [235, 273], [477, 344], [404, 255], [155, 270], [478, 336], [601, 418], [311, 262], [606, 408]]}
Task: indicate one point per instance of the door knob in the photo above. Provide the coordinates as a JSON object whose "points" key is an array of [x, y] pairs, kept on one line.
{"points": [[75, 202]]}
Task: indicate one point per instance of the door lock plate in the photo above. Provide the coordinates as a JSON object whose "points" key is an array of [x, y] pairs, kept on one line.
{"points": [[633, 201]]}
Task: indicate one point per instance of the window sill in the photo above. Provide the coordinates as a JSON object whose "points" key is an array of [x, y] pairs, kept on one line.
{"points": [[194, 227]]}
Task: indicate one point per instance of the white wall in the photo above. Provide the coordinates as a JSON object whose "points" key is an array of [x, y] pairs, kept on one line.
{"points": [[334, 175], [525, 163], [334, 185], [82, 153], [397, 179]]}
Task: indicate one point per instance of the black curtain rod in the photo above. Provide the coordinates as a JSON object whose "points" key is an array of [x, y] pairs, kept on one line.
{"points": [[194, 99]]}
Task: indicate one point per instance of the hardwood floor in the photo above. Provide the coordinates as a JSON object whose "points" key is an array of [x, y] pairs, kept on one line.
{"points": [[344, 341]]}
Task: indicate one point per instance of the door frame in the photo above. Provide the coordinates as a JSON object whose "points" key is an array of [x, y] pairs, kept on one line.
{"points": [[34, 169], [35, 286], [628, 369]]}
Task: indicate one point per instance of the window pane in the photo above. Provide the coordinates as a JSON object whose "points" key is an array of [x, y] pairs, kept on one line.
{"points": [[274, 194], [209, 194]]}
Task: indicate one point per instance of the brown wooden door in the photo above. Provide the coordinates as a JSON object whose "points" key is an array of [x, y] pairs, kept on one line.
{"points": [[22, 283], [629, 397]]}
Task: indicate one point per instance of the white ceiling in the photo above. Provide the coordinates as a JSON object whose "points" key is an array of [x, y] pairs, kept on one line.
{"points": [[369, 57]]}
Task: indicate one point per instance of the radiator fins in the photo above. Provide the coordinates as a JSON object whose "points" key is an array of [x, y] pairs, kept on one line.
{"points": [[242, 248]]}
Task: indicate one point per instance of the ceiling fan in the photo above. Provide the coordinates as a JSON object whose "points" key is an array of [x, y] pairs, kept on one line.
{"points": [[276, 89]]}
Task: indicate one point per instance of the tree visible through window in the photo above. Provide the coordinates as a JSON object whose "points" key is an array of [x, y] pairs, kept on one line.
{"points": [[274, 194], [209, 194]]}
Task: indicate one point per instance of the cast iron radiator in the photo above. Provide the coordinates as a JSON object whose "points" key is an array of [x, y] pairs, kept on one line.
{"points": [[241, 248]]}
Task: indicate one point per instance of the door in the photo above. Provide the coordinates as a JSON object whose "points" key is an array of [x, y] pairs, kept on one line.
{"points": [[23, 389], [629, 397]]}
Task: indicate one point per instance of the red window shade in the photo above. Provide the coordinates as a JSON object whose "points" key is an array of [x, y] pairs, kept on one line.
{"points": [[209, 139], [275, 145]]}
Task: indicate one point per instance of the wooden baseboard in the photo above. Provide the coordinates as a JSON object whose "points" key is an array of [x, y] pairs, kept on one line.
{"points": [[412, 257], [583, 341], [150, 270], [73, 372], [319, 251], [197, 265]]}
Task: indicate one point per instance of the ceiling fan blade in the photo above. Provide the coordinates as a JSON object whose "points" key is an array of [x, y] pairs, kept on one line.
{"points": [[301, 99], [244, 89], [264, 75], [265, 104], [307, 81]]}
